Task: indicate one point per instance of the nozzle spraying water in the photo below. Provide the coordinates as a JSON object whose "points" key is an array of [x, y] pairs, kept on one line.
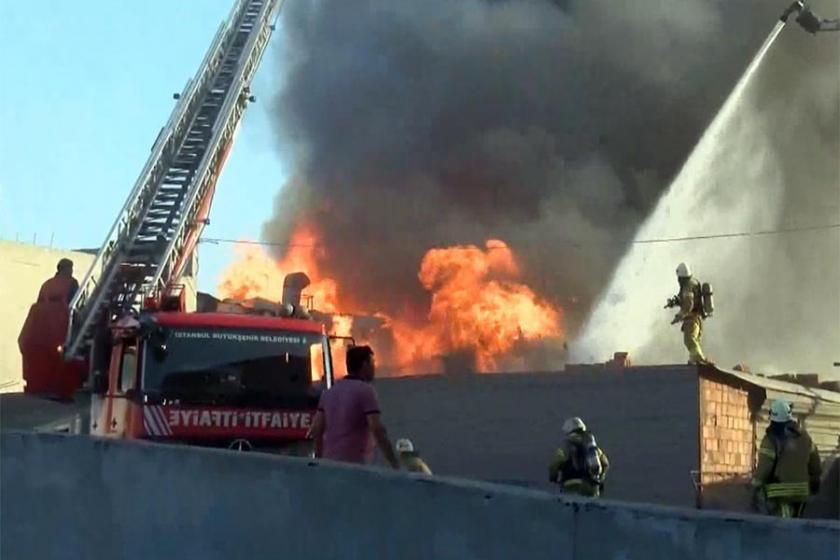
{"points": [[797, 6], [808, 20]]}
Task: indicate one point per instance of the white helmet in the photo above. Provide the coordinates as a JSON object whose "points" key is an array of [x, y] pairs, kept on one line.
{"points": [[404, 445], [572, 424], [781, 411], [683, 271]]}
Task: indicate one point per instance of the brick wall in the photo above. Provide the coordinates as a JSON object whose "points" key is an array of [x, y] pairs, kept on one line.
{"points": [[727, 433], [727, 445]]}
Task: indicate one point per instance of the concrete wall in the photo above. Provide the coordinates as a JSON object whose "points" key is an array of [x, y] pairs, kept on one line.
{"points": [[131, 500], [24, 269], [507, 427]]}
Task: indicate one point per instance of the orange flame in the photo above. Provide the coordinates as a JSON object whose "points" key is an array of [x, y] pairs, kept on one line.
{"points": [[256, 274], [342, 325], [479, 306]]}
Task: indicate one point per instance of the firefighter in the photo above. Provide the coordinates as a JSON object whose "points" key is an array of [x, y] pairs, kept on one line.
{"points": [[690, 301], [788, 470], [579, 465], [409, 457], [61, 287]]}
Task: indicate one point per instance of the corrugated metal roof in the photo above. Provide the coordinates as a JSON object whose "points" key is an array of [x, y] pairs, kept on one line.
{"points": [[781, 386], [828, 396], [818, 408]]}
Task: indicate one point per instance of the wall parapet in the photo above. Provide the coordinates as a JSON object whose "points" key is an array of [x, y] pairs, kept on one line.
{"points": [[76, 496]]}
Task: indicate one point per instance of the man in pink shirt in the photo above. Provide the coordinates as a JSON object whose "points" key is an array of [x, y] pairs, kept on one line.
{"points": [[348, 419]]}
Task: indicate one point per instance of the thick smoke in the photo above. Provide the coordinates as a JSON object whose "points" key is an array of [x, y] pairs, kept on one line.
{"points": [[772, 164], [554, 126]]}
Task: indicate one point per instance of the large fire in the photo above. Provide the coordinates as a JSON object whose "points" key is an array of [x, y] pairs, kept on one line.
{"points": [[256, 274], [481, 314], [479, 310]]}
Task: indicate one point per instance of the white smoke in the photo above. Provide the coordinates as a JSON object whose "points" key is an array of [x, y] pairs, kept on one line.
{"points": [[770, 161]]}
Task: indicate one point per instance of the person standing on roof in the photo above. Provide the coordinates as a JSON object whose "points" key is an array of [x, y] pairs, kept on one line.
{"points": [[579, 465], [348, 421], [690, 302], [61, 287], [788, 470], [409, 457]]}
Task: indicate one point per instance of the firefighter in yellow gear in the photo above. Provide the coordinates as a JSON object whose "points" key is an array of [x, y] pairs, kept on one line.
{"points": [[690, 314], [788, 470], [409, 458], [579, 466]]}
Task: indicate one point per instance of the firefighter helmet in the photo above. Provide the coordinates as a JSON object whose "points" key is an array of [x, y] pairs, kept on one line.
{"points": [[404, 445], [572, 424], [683, 271], [781, 411]]}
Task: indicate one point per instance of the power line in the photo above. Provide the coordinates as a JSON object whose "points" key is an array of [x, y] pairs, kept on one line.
{"points": [[216, 240], [739, 234]]}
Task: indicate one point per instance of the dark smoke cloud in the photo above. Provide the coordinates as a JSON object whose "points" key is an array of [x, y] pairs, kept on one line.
{"points": [[552, 125], [772, 163]]}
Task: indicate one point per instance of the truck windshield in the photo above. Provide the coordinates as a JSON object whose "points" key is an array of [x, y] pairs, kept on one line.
{"points": [[236, 367]]}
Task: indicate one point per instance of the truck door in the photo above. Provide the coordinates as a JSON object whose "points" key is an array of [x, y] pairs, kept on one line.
{"points": [[121, 388]]}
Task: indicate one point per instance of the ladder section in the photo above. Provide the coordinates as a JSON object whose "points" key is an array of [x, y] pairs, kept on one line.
{"points": [[252, 38], [157, 228]]}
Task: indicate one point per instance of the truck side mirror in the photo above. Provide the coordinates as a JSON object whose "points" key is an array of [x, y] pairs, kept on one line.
{"points": [[157, 337], [99, 383], [159, 351]]}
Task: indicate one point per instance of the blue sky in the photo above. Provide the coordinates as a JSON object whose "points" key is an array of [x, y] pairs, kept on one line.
{"points": [[87, 86]]}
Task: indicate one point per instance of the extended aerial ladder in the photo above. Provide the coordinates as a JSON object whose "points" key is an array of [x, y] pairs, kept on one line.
{"points": [[155, 233]]}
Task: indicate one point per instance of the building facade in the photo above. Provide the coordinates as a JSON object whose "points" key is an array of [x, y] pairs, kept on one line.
{"points": [[676, 435]]}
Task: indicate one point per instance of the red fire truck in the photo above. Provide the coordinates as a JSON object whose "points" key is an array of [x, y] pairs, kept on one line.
{"points": [[221, 379]]}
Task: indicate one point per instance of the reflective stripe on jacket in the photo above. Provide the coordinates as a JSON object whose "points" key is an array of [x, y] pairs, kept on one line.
{"points": [[787, 490]]}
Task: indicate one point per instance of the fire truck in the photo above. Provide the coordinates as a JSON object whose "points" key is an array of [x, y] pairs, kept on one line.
{"points": [[243, 378], [240, 378]]}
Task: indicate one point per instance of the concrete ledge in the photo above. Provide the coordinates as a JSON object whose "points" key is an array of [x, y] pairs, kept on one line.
{"points": [[80, 497]]}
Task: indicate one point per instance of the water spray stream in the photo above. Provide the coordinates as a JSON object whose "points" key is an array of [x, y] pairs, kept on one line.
{"points": [[728, 183]]}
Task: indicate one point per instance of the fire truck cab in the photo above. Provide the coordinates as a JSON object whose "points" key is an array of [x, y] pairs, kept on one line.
{"points": [[213, 379]]}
